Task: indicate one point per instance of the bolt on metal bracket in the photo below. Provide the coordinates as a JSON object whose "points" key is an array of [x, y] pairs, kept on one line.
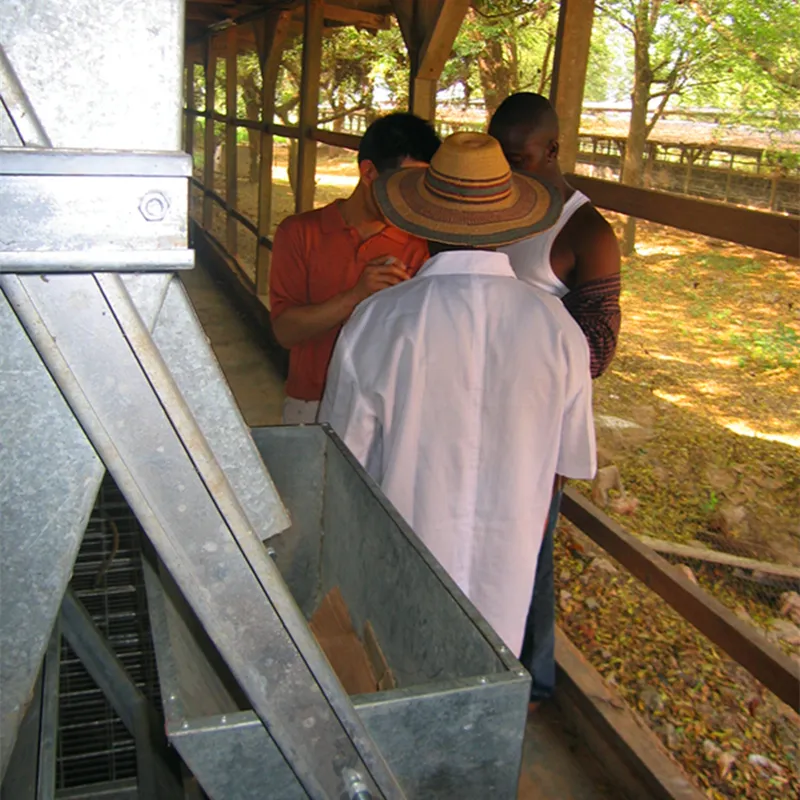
{"points": [[76, 211]]}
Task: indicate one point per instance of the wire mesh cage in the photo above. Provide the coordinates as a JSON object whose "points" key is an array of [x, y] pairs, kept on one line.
{"points": [[94, 747]]}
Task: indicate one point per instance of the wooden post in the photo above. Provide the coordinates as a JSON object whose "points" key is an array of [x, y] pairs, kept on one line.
{"points": [[231, 148], [728, 177], [429, 28], [208, 144], [687, 180], [313, 24], [773, 190], [271, 33], [188, 117], [569, 74]]}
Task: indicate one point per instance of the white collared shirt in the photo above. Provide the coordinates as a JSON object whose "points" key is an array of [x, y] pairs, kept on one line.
{"points": [[463, 391]]}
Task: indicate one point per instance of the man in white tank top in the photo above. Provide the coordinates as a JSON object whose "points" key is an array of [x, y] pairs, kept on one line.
{"points": [[578, 261]]}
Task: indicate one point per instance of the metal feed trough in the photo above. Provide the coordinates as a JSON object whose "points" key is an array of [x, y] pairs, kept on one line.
{"points": [[454, 726]]}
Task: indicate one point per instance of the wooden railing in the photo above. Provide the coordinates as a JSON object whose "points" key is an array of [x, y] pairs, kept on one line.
{"points": [[737, 638], [777, 233]]}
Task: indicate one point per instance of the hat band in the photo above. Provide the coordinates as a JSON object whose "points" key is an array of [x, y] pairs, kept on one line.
{"points": [[466, 190]]}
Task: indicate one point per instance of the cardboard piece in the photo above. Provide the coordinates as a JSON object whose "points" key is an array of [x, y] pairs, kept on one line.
{"points": [[334, 631]]}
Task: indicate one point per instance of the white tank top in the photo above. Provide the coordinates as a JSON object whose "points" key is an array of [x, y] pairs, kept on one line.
{"points": [[530, 258]]}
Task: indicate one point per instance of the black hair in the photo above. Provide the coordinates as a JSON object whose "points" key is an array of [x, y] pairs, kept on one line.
{"points": [[395, 137], [523, 108]]}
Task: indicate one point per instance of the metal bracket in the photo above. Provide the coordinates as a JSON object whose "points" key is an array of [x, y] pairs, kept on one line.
{"points": [[76, 211]]}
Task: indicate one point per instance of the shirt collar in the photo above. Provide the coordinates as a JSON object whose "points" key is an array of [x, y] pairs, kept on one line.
{"points": [[468, 262], [332, 221]]}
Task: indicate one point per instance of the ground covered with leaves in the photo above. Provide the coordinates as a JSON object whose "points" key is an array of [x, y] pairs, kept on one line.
{"points": [[731, 736], [699, 432]]}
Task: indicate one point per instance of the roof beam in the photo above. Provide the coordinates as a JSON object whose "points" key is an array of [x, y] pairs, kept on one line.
{"points": [[429, 28]]}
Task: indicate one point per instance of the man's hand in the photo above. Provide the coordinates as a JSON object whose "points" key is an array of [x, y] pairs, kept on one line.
{"points": [[380, 273], [299, 324]]}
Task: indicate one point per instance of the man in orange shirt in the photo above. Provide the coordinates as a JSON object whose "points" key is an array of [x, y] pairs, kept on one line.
{"points": [[326, 261]]}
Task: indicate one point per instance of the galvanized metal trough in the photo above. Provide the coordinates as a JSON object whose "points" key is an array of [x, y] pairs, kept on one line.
{"points": [[454, 726]]}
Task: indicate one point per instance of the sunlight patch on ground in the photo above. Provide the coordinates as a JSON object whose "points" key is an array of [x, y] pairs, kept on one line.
{"points": [[665, 357], [725, 361], [743, 429], [713, 388], [323, 179], [659, 250], [676, 399]]}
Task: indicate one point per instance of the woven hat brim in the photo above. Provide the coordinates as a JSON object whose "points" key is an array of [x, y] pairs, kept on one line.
{"points": [[532, 207]]}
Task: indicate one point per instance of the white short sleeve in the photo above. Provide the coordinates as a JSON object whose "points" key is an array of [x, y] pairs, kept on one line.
{"points": [[345, 408], [577, 453]]}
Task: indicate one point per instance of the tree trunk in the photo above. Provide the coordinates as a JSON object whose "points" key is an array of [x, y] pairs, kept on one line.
{"points": [[633, 165], [497, 76], [252, 101]]}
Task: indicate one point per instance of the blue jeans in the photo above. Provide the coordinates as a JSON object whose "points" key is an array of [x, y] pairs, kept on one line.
{"points": [[539, 644]]}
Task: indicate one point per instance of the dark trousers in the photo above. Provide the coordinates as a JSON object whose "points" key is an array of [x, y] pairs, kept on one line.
{"points": [[539, 645]]}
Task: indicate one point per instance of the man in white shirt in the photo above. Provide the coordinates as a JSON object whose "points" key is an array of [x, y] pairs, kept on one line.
{"points": [[463, 392]]}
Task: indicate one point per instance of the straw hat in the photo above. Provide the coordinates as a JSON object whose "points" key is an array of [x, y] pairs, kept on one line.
{"points": [[467, 196]]}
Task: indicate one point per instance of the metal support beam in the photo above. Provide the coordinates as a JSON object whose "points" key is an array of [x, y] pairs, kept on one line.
{"points": [[216, 559], [429, 30], [309, 102], [569, 74], [271, 33], [208, 146], [231, 160]]}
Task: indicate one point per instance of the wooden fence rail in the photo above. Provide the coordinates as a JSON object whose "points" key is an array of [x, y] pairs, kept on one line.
{"points": [[739, 639]]}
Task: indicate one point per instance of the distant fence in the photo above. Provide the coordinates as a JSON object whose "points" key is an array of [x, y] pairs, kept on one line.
{"points": [[731, 174], [748, 176]]}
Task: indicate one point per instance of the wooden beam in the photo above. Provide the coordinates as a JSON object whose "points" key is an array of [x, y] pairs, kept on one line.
{"points": [[309, 103], [776, 233], [271, 34], [736, 637], [189, 119], [231, 148], [208, 138], [631, 753], [357, 17], [429, 28], [569, 74], [348, 141], [696, 553]]}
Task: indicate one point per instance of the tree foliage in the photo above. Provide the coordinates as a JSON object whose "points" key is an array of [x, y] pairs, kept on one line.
{"points": [[740, 53]]}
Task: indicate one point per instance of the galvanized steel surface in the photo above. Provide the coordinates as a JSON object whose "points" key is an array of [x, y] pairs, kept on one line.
{"points": [[100, 74], [439, 634], [49, 474], [104, 76], [116, 211], [454, 735], [122, 377]]}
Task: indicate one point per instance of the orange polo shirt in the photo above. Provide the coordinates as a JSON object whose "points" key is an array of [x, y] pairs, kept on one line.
{"points": [[315, 256]]}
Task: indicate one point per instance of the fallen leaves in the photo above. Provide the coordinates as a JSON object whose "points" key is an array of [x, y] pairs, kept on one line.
{"points": [[708, 711], [790, 606]]}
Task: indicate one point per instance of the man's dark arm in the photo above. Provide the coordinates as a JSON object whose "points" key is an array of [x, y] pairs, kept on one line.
{"points": [[595, 307], [593, 300]]}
